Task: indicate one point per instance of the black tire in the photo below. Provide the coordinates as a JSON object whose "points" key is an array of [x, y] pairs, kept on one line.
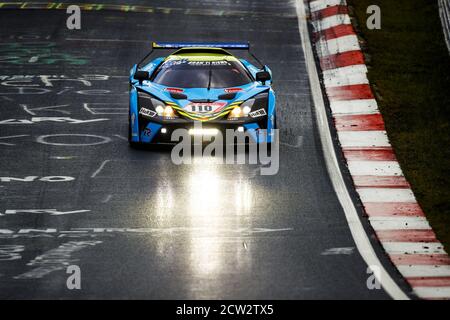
{"points": [[275, 125]]}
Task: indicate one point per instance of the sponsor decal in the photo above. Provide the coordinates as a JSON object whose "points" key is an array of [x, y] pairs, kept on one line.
{"points": [[147, 132], [233, 90], [205, 107], [209, 63], [173, 63], [258, 113], [147, 112], [174, 90]]}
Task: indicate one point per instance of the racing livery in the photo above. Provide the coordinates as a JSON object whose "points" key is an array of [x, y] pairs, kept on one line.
{"points": [[200, 83]]}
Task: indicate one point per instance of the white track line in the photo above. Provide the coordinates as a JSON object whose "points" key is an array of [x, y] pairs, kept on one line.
{"points": [[356, 74], [346, 76], [365, 106], [332, 21], [385, 195], [345, 71], [357, 230], [338, 45], [433, 292], [399, 223], [363, 139], [322, 4], [100, 168], [424, 271], [338, 81], [374, 168], [414, 248]]}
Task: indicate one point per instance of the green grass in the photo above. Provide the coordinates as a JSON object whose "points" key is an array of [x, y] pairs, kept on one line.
{"points": [[409, 69]]}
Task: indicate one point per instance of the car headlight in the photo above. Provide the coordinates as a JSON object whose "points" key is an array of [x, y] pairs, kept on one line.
{"points": [[152, 107], [250, 107]]}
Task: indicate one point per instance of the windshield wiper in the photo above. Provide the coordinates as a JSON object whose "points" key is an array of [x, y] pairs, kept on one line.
{"points": [[210, 76]]}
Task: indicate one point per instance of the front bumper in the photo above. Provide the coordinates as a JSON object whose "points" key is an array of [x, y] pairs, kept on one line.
{"points": [[161, 132]]}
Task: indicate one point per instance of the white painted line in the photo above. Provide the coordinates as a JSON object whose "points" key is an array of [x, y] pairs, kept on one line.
{"points": [[52, 212], [322, 4], [48, 108], [351, 75], [338, 251], [364, 106], [356, 228], [414, 248], [424, 271], [94, 108], [345, 71], [433, 292], [385, 195], [107, 198], [62, 157], [374, 168], [100, 168], [332, 21], [399, 223], [338, 45], [339, 81], [12, 137], [363, 139], [121, 137]]}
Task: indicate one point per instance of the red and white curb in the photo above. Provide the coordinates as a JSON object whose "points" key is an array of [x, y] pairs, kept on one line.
{"points": [[388, 200]]}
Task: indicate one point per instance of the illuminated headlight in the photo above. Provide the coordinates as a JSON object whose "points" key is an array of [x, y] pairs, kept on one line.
{"points": [[159, 110], [247, 106], [236, 112], [243, 110], [168, 112]]}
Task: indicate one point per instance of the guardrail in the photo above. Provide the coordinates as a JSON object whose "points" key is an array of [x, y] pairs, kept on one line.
{"points": [[444, 12]]}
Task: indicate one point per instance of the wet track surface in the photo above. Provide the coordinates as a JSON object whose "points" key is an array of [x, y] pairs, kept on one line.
{"points": [[137, 225]]}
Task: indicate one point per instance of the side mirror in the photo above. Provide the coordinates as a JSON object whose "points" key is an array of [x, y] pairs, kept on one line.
{"points": [[141, 76], [263, 76]]}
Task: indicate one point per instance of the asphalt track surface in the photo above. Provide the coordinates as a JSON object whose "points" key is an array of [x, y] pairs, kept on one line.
{"points": [[152, 229]]}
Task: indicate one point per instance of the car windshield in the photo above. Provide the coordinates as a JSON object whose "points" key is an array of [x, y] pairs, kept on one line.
{"points": [[201, 74]]}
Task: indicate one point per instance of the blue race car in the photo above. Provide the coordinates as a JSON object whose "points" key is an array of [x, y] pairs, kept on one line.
{"points": [[200, 83]]}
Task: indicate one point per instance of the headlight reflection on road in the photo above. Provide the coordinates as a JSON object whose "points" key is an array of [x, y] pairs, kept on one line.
{"points": [[217, 201]]}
